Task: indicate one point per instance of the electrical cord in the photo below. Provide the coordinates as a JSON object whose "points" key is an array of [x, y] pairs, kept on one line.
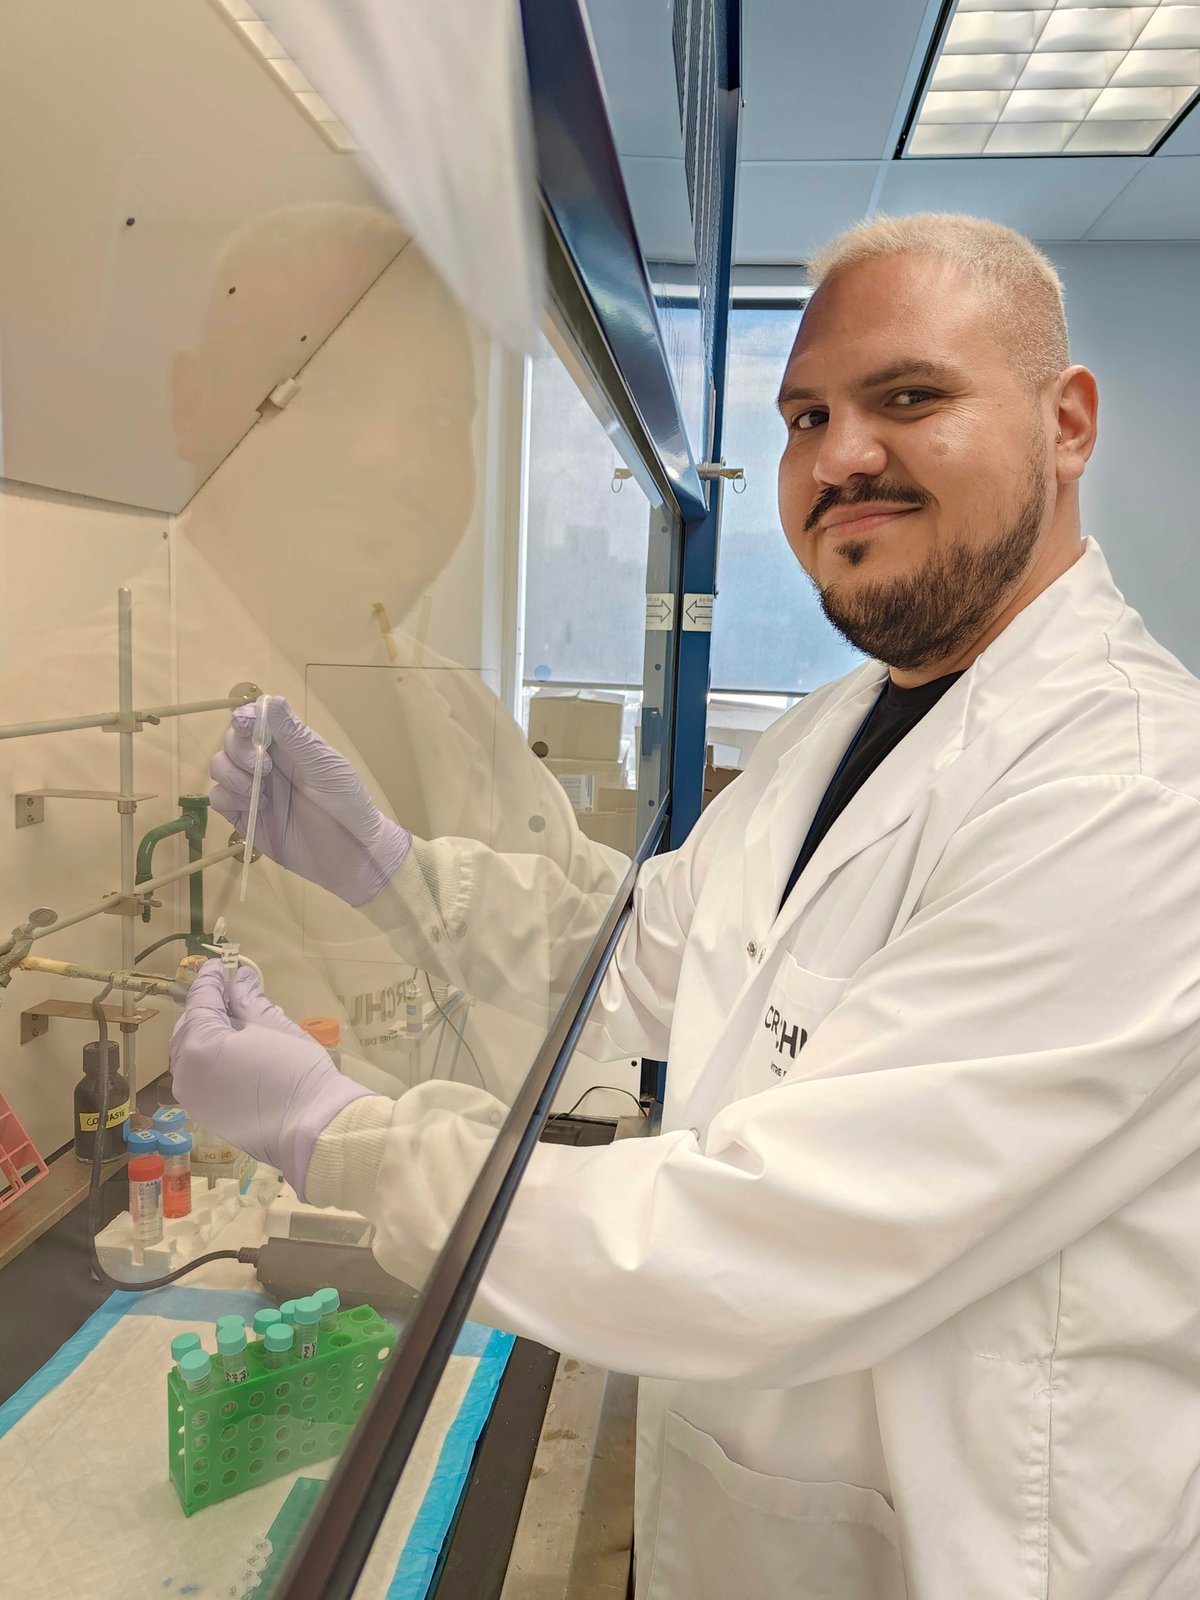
{"points": [[244, 1255], [459, 1036], [157, 945], [612, 1089]]}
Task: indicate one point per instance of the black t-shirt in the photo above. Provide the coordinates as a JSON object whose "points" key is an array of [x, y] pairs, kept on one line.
{"points": [[896, 712]]}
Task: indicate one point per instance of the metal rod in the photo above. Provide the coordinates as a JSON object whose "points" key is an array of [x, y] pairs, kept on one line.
{"points": [[126, 806], [233, 853], [112, 719], [143, 983], [101, 906]]}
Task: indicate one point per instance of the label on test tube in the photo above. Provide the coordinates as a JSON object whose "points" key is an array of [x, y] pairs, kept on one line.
{"points": [[231, 1347], [145, 1175], [176, 1151], [308, 1316]]}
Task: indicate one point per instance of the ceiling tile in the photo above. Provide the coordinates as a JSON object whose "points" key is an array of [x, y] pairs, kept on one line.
{"points": [[1162, 202], [637, 64], [1185, 141], [787, 209], [1044, 198], [822, 82], [658, 197]]}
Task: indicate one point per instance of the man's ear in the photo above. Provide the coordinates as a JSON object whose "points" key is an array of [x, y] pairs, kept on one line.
{"points": [[1078, 404]]}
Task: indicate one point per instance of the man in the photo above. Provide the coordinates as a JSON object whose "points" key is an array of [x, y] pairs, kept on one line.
{"points": [[911, 1274]]}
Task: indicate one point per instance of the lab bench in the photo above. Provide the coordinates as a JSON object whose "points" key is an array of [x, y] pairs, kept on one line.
{"points": [[544, 1509]]}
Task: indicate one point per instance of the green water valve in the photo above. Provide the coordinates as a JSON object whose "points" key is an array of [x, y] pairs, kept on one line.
{"points": [[192, 823]]}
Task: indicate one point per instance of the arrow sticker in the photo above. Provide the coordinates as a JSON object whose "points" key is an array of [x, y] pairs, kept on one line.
{"points": [[697, 613], [660, 613]]}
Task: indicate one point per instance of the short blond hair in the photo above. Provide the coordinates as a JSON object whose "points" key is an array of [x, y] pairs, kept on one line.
{"points": [[1019, 278]]}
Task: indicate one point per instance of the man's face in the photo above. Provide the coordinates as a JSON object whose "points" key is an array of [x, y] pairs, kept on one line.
{"points": [[913, 486]]}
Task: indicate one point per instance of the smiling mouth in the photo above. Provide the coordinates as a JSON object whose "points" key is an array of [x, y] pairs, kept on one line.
{"points": [[867, 522]]}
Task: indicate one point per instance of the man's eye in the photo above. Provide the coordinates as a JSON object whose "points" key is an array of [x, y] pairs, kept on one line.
{"points": [[803, 421], [914, 397]]}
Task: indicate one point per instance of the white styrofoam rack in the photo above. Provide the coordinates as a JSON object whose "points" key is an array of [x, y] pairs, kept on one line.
{"points": [[184, 1238]]}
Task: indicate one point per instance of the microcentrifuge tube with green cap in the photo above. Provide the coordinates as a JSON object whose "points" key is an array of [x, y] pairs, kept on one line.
{"points": [[231, 1347], [277, 1343], [288, 1312], [308, 1318], [330, 1302], [231, 1321], [265, 1319], [182, 1343], [195, 1368]]}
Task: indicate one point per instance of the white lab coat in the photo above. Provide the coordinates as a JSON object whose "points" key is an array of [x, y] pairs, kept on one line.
{"points": [[914, 1269]]}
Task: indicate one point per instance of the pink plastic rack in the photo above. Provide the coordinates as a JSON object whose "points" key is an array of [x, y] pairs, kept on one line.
{"points": [[20, 1162]]}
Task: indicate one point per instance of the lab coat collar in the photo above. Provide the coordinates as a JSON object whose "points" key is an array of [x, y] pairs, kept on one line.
{"points": [[1076, 607]]}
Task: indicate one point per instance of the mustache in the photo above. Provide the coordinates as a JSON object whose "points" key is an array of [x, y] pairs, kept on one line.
{"points": [[866, 494]]}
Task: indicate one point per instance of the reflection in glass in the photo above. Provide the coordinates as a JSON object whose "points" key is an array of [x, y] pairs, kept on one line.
{"points": [[770, 635], [321, 448]]}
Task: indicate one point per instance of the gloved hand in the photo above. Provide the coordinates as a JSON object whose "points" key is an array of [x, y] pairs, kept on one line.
{"points": [[245, 1070], [315, 817]]}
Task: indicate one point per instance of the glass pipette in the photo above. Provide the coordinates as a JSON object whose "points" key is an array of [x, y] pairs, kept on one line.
{"points": [[260, 752]]}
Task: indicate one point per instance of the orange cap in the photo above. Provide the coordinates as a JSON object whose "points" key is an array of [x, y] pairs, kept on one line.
{"points": [[325, 1030]]}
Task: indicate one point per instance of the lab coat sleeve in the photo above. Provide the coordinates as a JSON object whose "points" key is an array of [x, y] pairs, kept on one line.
{"points": [[513, 929], [1015, 1065]]}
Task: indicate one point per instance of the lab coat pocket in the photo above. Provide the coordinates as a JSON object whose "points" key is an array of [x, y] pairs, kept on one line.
{"points": [[728, 1533], [795, 1005]]}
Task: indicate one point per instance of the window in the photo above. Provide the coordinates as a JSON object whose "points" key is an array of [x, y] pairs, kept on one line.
{"points": [[771, 642]]}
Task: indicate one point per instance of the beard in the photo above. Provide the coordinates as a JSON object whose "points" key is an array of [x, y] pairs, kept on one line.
{"points": [[934, 613]]}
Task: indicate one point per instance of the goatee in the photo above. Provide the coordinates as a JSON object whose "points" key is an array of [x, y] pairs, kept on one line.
{"points": [[934, 613]]}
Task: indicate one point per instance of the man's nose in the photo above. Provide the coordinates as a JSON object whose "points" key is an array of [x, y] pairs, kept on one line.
{"points": [[849, 448]]}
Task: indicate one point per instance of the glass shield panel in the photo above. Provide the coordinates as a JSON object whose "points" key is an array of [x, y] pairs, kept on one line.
{"points": [[657, 82], [770, 636], [250, 446]]}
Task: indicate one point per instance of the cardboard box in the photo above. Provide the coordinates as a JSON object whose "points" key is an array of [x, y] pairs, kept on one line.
{"points": [[616, 829], [576, 727], [716, 778], [586, 781], [617, 800]]}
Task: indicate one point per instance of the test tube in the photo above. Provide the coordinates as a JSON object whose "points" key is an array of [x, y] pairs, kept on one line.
{"points": [[195, 1368], [141, 1141], [145, 1174], [330, 1302], [277, 1342], [176, 1151], [308, 1318], [288, 1312], [182, 1343], [169, 1119], [264, 1319], [231, 1347]]}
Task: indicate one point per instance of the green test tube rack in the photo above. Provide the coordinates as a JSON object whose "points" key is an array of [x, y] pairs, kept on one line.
{"points": [[241, 1434]]}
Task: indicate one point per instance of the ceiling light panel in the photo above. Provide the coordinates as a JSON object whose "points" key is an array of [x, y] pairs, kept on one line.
{"points": [[1075, 77], [255, 33]]}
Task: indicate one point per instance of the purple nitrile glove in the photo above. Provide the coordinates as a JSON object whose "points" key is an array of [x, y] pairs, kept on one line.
{"points": [[245, 1070], [315, 817]]}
